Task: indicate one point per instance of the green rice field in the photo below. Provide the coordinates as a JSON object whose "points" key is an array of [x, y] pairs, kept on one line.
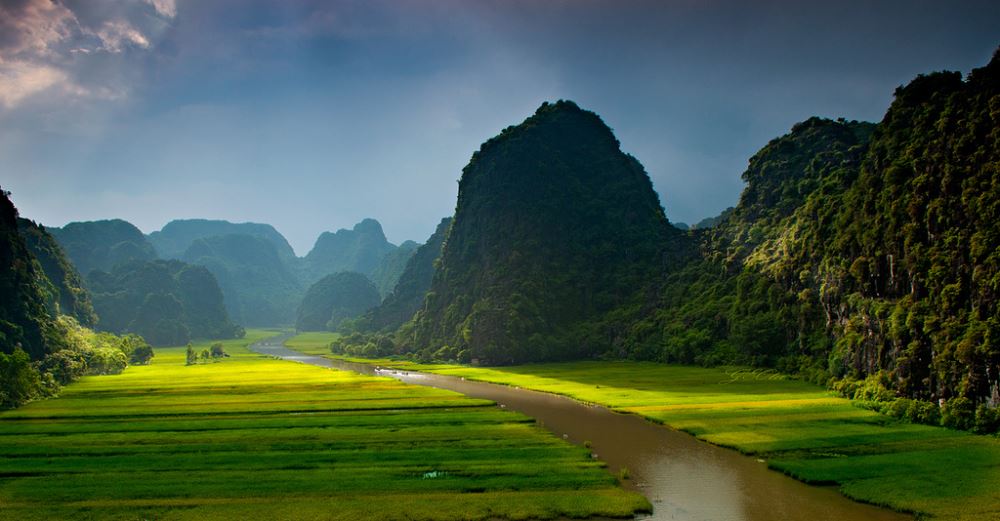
{"points": [[313, 342], [798, 428], [250, 437]]}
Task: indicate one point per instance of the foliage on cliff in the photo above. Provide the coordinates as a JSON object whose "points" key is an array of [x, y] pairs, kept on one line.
{"points": [[62, 285], [857, 252], [554, 227], [408, 294]]}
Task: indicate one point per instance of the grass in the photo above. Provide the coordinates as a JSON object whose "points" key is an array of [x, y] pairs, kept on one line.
{"points": [[250, 437], [313, 342], [800, 429]]}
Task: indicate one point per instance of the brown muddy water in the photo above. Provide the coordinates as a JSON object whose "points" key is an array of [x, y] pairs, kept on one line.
{"points": [[685, 479]]}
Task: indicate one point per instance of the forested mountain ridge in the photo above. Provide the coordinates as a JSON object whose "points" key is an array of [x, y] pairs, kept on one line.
{"points": [[167, 302], [408, 294], [176, 236], [62, 285], [24, 319], [386, 275], [554, 227], [359, 249], [261, 277], [260, 287], [335, 298], [101, 245], [858, 252]]}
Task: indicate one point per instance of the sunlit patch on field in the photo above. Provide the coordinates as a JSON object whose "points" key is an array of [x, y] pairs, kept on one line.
{"points": [[252, 437]]}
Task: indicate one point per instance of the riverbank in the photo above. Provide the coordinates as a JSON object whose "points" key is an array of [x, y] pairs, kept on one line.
{"points": [[252, 437], [795, 427]]}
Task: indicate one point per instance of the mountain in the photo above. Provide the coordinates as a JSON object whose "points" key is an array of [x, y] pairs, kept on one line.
{"points": [[101, 245], [259, 287], [360, 249], [709, 222], [335, 298], [177, 236], [24, 319], [864, 253], [63, 287], [408, 294], [390, 268], [167, 302], [555, 227]]}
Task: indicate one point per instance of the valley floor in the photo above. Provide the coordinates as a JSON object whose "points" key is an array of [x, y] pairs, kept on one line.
{"points": [[249, 437], [799, 428]]}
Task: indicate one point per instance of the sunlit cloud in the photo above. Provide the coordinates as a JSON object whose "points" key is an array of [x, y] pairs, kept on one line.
{"points": [[115, 35], [22, 79], [46, 47], [166, 8]]}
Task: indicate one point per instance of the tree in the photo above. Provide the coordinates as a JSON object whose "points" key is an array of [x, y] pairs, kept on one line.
{"points": [[192, 357], [217, 350]]}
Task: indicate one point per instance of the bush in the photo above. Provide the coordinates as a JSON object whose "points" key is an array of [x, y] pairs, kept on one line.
{"points": [[19, 380], [217, 351], [958, 413], [106, 360], [987, 420], [192, 357], [141, 355], [924, 412]]}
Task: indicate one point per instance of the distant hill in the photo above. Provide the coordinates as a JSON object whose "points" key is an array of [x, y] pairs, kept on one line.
{"points": [[710, 222], [408, 294], [335, 298], [555, 226], [62, 285], [101, 245], [177, 236], [390, 268], [259, 287], [360, 249], [167, 302]]}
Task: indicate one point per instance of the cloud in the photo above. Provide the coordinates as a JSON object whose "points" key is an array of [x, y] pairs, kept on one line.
{"points": [[165, 8], [22, 79], [34, 27], [115, 35], [54, 46]]}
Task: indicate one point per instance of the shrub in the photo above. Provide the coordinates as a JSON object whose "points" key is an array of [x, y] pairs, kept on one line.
{"points": [[987, 420], [958, 413]]}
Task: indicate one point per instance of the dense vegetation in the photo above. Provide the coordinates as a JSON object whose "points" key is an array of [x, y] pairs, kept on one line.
{"points": [[859, 251], [554, 227], [260, 287], [250, 437], [408, 294], [334, 299], [167, 302], [62, 285], [864, 256], [102, 245], [40, 350], [390, 268]]}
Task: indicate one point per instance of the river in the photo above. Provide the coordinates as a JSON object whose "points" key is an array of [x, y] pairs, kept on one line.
{"points": [[685, 479]]}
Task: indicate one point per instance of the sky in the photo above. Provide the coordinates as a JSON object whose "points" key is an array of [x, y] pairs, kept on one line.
{"points": [[312, 115]]}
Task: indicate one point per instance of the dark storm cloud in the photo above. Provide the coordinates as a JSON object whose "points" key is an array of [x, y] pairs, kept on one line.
{"points": [[313, 115]]}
